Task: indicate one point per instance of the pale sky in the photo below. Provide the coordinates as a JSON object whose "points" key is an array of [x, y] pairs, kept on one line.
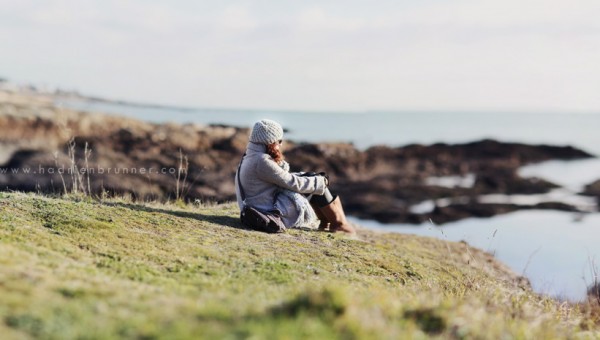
{"points": [[350, 55]]}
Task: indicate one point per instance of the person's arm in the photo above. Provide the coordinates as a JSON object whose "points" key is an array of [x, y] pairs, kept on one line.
{"points": [[285, 166], [269, 171]]}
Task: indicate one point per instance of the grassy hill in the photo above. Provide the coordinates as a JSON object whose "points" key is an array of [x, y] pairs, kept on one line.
{"points": [[78, 268]]}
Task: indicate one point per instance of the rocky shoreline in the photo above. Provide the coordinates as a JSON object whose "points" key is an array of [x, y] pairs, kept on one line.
{"points": [[390, 181], [380, 183]]}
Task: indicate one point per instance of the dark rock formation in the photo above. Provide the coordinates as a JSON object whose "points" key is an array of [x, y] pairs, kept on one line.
{"points": [[128, 156], [592, 189], [381, 183]]}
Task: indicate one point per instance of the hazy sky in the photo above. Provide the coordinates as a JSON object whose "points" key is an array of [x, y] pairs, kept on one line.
{"points": [[518, 55]]}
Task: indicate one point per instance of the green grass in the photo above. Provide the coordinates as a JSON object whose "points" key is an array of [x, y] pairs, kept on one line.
{"points": [[76, 268]]}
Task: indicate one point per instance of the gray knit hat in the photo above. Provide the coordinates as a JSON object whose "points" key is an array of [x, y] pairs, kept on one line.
{"points": [[266, 132]]}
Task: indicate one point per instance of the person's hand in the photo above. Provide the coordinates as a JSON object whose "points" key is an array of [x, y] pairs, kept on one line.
{"points": [[312, 174]]}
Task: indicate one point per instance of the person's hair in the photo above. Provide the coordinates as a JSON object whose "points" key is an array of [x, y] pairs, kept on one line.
{"points": [[275, 153]]}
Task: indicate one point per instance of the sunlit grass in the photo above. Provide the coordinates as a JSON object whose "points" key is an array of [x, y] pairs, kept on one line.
{"points": [[75, 267]]}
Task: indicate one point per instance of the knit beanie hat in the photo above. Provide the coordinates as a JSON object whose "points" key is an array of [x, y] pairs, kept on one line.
{"points": [[266, 132]]}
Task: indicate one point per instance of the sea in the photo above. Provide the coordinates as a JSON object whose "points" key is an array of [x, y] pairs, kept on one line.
{"points": [[559, 252]]}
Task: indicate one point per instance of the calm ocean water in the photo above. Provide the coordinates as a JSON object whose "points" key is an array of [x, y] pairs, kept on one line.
{"points": [[391, 128], [555, 250]]}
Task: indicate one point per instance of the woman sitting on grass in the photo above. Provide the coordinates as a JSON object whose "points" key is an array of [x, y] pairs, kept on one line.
{"points": [[302, 198]]}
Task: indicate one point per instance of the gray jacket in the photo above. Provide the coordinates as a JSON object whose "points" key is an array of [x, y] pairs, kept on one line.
{"points": [[268, 186]]}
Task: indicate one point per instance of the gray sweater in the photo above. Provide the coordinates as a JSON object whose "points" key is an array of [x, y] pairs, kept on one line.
{"points": [[268, 186]]}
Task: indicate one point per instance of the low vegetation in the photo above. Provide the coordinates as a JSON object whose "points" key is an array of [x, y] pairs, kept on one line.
{"points": [[74, 267]]}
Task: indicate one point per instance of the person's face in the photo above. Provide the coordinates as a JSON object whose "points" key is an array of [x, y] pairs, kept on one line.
{"points": [[278, 144]]}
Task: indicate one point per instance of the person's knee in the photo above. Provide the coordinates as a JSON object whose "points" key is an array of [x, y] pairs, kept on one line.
{"points": [[323, 200]]}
